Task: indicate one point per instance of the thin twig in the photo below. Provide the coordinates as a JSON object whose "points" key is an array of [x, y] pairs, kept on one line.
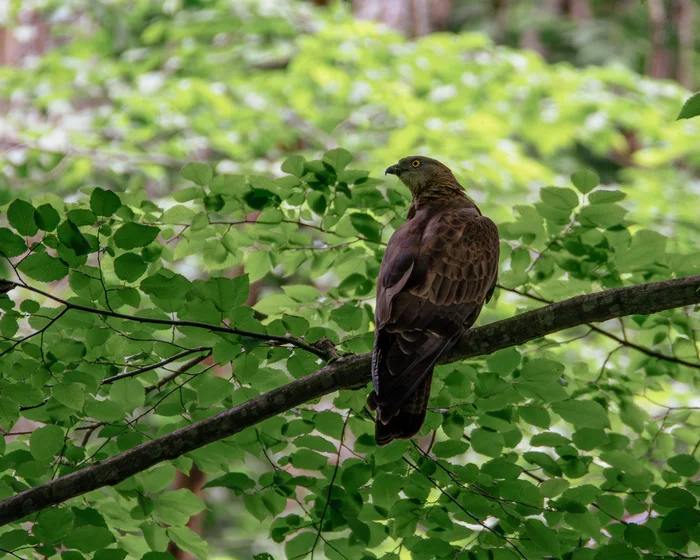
{"points": [[154, 321], [160, 364], [330, 487]]}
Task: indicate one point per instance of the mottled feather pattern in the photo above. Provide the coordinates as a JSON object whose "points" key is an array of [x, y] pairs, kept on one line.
{"points": [[439, 268]]}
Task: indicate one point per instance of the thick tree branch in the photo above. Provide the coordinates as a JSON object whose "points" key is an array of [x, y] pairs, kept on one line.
{"points": [[351, 372], [621, 341]]}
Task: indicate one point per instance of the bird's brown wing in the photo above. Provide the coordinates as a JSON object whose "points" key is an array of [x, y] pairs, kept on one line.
{"points": [[435, 277]]}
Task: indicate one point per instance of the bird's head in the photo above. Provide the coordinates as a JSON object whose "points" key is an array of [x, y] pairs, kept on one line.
{"points": [[420, 172]]}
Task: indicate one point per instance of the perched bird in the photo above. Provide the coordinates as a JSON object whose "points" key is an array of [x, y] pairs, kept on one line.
{"points": [[439, 269]]}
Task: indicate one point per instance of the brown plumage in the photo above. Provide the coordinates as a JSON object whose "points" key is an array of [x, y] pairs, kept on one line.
{"points": [[439, 269]]}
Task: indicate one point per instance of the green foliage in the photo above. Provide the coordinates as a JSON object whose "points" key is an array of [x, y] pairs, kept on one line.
{"points": [[480, 466], [537, 451], [691, 108]]}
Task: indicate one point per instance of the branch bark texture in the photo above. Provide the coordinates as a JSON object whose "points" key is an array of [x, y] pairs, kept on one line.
{"points": [[351, 372]]}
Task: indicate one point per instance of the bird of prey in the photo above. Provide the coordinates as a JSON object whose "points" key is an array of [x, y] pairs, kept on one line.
{"points": [[439, 269]]}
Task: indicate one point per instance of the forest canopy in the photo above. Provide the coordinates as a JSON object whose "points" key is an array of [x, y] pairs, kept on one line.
{"points": [[193, 215]]}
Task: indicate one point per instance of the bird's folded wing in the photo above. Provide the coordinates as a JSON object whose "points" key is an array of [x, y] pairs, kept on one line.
{"points": [[433, 283]]}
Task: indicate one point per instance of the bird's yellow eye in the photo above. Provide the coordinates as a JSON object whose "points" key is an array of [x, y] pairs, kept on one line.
{"points": [[415, 163]]}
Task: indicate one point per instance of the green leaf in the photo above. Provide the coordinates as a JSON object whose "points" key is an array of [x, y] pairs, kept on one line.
{"points": [[46, 442], [189, 193], [356, 476], [177, 506], [501, 468], [562, 199], [132, 235], [622, 461], [535, 416], [225, 293], [157, 556], [256, 506], [227, 184], [155, 535], [70, 350], [584, 414], [198, 173], [89, 538], [129, 267], [308, 460], [674, 497], [166, 285], [13, 539], [549, 465], [691, 108], [542, 536], [677, 524], [188, 540], [548, 439], [504, 361], [20, 214], [81, 217], [329, 423], [213, 203], [71, 395], [606, 197], [110, 554], [42, 267], [238, 482], [72, 237], [639, 536], [366, 225], [11, 244], [633, 416], [46, 217], [104, 203], [257, 265], [9, 413], [294, 165], [486, 442], [647, 247], [450, 448], [338, 158], [684, 465], [553, 487], [585, 180], [23, 393], [602, 215], [55, 523], [385, 489], [589, 438], [127, 393], [300, 545], [616, 551], [317, 443], [583, 521], [104, 411]]}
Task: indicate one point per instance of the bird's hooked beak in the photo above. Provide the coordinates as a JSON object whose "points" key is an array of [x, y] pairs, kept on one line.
{"points": [[393, 170]]}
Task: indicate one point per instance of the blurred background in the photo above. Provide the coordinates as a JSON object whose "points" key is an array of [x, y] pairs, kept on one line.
{"points": [[513, 95]]}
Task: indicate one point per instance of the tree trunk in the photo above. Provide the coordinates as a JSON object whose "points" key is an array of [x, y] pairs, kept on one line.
{"points": [[12, 51], [500, 20], [658, 64], [685, 18], [414, 18], [578, 9]]}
